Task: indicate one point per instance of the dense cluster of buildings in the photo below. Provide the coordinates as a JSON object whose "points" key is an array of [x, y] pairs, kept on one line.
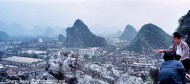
{"points": [[31, 57], [131, 62]]}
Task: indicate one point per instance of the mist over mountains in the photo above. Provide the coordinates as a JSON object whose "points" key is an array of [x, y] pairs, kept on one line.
{"points": [[149, 37], [13, 29], [87, 42], [17, 29], [4, 36]]}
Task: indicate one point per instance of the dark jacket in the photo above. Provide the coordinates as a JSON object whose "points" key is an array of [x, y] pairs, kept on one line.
{"points": [[172, 72]]}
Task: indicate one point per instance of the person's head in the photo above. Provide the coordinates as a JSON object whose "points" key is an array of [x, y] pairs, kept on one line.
{"points": [[176, 38], [169, 56]]}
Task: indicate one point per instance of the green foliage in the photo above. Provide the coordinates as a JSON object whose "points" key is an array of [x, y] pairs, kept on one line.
{"points": [[150, 79], [1, 54], [184, 27], [129, 33], [154, 74], [61, 37], [86, 57], [80, 36], [150, 37]]}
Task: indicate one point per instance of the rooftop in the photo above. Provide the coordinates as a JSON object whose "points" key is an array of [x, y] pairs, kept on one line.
{"points": [[34, 52], [21, 59], [1, 66]]}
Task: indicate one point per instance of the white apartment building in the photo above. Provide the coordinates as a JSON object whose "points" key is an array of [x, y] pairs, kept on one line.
{"points": [[88, 51]]}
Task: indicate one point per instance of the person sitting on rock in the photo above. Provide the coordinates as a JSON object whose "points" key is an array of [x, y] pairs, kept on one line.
{"points": [[171, 71]]}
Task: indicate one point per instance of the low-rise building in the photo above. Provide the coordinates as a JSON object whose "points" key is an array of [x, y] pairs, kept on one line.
{"points": [[89, 51], [21, 61], [34, 52], [140, 67], [40, 54]]}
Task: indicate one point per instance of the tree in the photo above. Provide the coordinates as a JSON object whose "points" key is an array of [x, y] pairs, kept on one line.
{"points": [[154, 74], [1, 54], [61, 37], [144, 76], [184, 27], [86, 57]]}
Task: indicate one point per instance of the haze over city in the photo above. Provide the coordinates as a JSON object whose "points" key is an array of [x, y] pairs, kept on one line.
{"points": [[94, 41], [113, 15]]}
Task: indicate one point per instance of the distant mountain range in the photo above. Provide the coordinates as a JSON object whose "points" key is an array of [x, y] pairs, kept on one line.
{"points": [[16, 29], [13, 29], [149, 38], [49, 31], [37, 31], [3, 36], [129, 33], [79, 36]]}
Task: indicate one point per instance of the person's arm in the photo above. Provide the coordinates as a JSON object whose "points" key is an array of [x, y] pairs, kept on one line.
{"points": [[167, 50], [159, 51], [185, 50], [170, 49]]}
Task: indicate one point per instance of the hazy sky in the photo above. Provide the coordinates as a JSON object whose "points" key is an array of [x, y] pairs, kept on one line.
{"points": [[111, 13]]}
